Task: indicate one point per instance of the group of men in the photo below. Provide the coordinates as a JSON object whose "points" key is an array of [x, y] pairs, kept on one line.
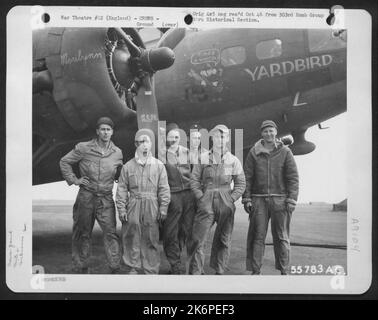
{"points": [[177, 198]]}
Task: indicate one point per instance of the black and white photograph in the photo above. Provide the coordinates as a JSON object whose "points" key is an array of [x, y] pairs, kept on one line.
{"points": [[184, 151]]}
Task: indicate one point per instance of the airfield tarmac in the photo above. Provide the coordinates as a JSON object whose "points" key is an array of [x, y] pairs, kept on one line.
{"points": [[318, 237]]}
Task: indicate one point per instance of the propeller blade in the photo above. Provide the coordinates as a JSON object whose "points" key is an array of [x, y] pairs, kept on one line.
{"points": [[142, 63], [133, 49], [146, 108], [135, 36], [163, 30], [172, 38]]}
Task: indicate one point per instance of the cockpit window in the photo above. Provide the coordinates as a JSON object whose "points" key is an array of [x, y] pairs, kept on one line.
{"points": [[233, 56], [320, 39], [269, 49]]}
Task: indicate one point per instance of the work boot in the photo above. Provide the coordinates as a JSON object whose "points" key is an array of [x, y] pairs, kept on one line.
{"points": [[115, 271], [202, 273], [132, 271], [81, 270], [78, 270], [176, 269]]}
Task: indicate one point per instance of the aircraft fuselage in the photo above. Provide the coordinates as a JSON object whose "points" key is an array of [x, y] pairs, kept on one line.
{"points": [[218, 78], [237, 77]]}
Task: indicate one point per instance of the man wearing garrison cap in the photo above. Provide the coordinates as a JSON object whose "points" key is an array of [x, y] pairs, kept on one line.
{"points": [[98, 162], [271, 194]]}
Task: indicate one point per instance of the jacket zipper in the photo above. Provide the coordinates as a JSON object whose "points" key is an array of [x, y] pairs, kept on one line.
{"points": [[141, 186], [99, 171], [268, 175], [178, 169], [182, 182]]}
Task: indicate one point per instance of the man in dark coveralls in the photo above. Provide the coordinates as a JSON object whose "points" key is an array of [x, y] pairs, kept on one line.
{"points": [[98, 161]]}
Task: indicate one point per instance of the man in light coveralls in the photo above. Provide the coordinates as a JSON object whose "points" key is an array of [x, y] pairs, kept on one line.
{"points": [[142, 201]]}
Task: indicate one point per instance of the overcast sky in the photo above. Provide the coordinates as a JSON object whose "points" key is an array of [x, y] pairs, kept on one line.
{"points": [[322, 173]]}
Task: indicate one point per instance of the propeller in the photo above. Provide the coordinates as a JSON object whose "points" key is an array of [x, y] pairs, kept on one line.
{"points": [[142, 64], [172, 38]]}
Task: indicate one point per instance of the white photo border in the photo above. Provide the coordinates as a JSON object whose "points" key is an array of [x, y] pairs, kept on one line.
{"points": [[19, 276]]}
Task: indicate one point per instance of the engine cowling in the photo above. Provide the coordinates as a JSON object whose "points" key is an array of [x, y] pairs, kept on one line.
{"points": [[88, 72]]}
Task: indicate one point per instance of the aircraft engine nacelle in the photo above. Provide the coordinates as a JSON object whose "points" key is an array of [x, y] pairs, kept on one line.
{"points": [[76, 61], [301, 146], [81, 74], [89, 72]]}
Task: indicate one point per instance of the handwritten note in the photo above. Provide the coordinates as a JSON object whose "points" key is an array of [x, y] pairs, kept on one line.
{"points": [[16, 249]]}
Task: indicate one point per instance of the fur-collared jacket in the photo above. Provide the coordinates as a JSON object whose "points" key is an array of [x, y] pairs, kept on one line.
{"points": [[271, 173]]}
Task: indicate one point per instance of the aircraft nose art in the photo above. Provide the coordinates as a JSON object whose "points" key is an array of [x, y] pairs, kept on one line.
{"points": [[82, 88]]}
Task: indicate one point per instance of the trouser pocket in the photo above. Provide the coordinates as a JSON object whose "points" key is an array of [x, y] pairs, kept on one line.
{"points": [[254, 207], [279, 204]]}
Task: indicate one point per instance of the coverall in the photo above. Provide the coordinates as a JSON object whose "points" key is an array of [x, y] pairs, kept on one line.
{"points": [[142, 193], [196, 155], [211, 184], [272, 182], [178, 225], [93, 202]]}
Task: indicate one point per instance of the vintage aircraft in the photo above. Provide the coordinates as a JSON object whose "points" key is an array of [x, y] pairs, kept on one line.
{"points": [[237, 77]]}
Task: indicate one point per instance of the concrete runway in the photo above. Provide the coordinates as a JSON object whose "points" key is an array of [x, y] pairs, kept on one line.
{"points": [[318, 238]]}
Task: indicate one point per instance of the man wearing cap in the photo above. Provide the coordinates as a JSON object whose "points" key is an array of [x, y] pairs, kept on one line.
{"points": [[211, 185], [271, 193], [142, 200], [98, 161], [178, 225]]}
